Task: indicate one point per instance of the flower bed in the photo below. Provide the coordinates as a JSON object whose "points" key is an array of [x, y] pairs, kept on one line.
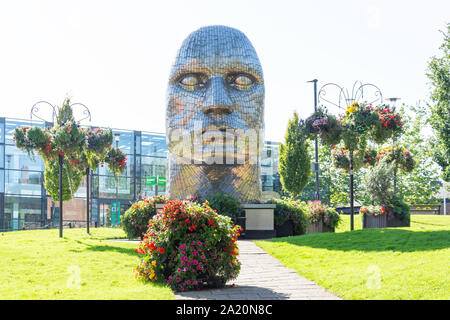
{"points": [[189, 246]]}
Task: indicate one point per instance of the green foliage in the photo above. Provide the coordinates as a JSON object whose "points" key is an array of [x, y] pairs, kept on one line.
{"points": [[225, 205], [418, 186], [294, 160], [136, 218], [399, 208], [79, 148], [289, 209], [378, 182], [189, 246], [439, 74], [71, 179]]}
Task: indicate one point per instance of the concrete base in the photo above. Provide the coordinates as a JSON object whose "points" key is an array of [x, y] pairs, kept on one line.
{"points": [[259, 223]]}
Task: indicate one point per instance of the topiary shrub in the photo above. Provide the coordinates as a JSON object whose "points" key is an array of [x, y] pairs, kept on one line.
{"points": [[136, 219], [225, 205], [189, 246]]}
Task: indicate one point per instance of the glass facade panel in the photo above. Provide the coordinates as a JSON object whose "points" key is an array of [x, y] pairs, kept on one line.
{"points": [[23, 182], [21, 213], [107, 187], [154, 145], [18, 160]]}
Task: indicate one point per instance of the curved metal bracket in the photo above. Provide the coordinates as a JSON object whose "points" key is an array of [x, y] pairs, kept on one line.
{"points": [[35, 110], [345, 99], [86, 111]]}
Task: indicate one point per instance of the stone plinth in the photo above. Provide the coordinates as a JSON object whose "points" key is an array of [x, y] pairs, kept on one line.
{"points": [[259, 223]]}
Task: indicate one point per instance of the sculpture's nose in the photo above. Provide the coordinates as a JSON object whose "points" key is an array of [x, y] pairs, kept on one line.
{"points": [[217, 100]]}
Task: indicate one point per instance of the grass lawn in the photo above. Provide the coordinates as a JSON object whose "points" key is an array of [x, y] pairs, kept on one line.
{"points": [[39, 265], [391, 263]]}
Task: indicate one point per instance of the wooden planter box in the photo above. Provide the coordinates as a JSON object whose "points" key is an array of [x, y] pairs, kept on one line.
{"points": [[318, 227], [286, 229], [394, 222], [384, 222], [374, 221]]}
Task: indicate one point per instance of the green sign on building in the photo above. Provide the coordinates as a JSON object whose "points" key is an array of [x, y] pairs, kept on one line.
{"points": [[150, 181], [161, 181]]}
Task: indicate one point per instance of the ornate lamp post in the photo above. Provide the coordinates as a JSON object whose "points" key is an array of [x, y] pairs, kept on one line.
{"points": [[345, 99], [55, 109]]}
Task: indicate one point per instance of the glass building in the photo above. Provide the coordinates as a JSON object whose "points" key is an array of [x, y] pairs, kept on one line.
{"points": [[24, 203]]}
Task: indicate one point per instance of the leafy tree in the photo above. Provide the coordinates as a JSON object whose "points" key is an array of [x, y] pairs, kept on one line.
{"points": [[419, 185], [294, 159], [439, 74]]}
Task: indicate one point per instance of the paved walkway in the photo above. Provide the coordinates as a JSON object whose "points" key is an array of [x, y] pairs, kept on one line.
{"points": [[262, 277]]}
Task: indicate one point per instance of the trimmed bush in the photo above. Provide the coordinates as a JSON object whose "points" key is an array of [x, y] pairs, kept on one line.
{"points": [[290, 210], [137, 217], [225, 205], [189, 246]]}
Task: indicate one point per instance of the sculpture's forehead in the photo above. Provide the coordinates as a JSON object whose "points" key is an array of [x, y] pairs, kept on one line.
{"points": [[217, 47]]}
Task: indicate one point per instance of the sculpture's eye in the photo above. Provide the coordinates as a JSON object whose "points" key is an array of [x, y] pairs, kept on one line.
{"points": [[191, 81], [241, 81]]}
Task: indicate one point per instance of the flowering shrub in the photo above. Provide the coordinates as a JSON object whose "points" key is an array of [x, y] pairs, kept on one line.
{"points": [[189, 246], [287, 209], [194, 199], [389, 124], [324, 125], [317, 211], [137, 217], [375, 210], [340, 158]]}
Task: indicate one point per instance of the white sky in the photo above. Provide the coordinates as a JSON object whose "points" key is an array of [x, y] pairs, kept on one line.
{"points": [[115, 56]]}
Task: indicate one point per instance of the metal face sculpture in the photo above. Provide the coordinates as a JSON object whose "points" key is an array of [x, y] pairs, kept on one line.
{"points": [[215, 116]]}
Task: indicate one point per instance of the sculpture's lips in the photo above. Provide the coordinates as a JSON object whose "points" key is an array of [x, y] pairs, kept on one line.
{"points": [[218, 135], [218, 129]]}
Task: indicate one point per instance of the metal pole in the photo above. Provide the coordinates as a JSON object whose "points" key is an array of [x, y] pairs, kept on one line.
{"points": [[316, 142], [88, 189], [351, 191], [60, 158]]}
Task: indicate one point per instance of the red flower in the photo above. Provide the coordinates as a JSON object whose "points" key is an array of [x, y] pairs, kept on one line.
{"points": [[161, 250]]}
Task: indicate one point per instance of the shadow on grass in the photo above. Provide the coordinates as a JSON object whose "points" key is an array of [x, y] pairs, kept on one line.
{"points": [[106, 248], [374, 240]]}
